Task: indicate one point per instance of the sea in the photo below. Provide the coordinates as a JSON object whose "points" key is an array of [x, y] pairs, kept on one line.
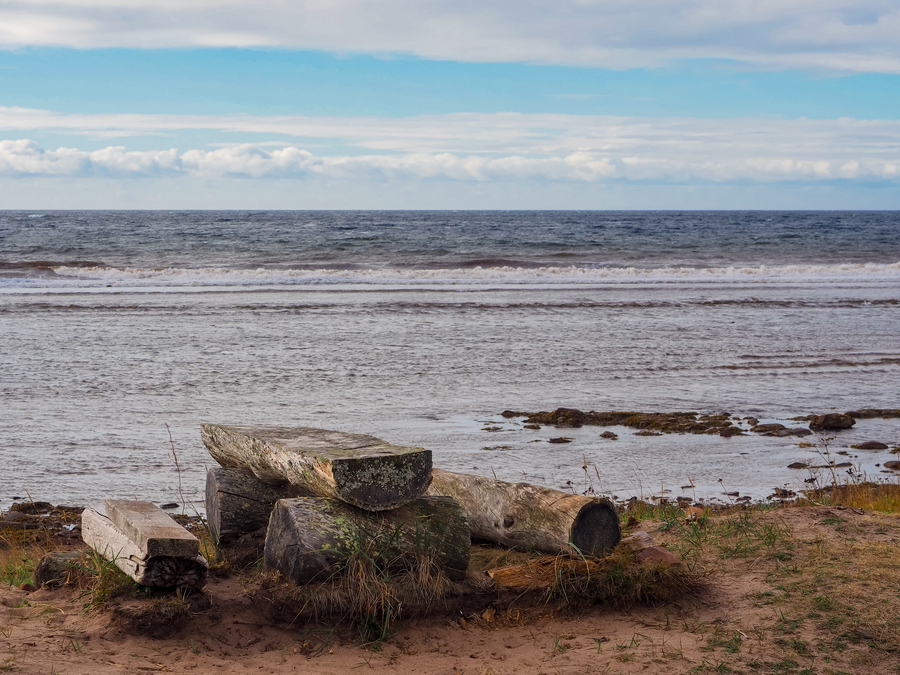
{"points": [[122, 331]]}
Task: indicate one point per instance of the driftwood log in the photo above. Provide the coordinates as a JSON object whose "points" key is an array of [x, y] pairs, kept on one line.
{"points": [[361, 470], [237, 502], [311, 539], [529, 517], [164, 571], [151, 529]]}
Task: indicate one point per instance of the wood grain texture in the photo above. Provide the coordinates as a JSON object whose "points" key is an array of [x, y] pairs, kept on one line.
{"points": [[102, 535], [151, 529], [361, 470], [531, 518], [310, 539], [237, 502]]}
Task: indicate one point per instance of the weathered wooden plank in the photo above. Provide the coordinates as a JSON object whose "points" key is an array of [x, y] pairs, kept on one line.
{"points": [[529, 517], [102, 535], [237, 502], [152, 529], [361, 470], [310, 539]]}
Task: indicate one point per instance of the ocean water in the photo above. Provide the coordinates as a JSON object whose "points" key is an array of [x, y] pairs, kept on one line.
{"points": [[118, 329]]}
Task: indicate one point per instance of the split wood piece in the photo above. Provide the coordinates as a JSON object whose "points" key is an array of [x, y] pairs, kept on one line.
{"points": [[361, 470], [102, 535], [311, 539], [237, 502], [152, 529], [532, 518], [541, 574]]}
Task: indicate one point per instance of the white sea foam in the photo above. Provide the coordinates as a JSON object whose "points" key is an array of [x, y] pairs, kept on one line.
{"points": [[131, 277]]}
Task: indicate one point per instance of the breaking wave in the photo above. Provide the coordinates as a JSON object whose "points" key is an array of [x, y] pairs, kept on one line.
{"points": [[86, 276]]}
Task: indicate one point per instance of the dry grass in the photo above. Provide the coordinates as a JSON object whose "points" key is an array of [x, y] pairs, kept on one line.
{"points": [[367, 590], [20, 552], [880, 497]]}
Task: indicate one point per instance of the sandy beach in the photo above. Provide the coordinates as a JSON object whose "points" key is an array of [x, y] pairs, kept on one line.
{"points": [[788, 590]]}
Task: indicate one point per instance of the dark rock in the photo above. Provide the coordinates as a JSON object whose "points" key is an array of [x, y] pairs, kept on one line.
{"points": [[872, 413], [870, 445], [647, 432], [798, 465], [671, 423], [892, 465], [610, 435], [568, 417], [561, 439], [752, 421], [532, 426], [728, 432], [170, 505], [782, 493], [13, 515], [20, 525], [832, 422], [767, 428], [512, 413], [789, 431], [54, 568], [32, 507]]}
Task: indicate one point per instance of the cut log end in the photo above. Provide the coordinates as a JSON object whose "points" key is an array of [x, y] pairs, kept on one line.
{"points": [[360, 470], [596, 530], [383, 482]]}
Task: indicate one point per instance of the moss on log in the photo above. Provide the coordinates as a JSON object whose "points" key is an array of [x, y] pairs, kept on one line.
{"points": [[361, 470], [312, 539]]}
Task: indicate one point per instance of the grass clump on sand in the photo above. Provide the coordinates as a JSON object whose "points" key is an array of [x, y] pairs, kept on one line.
{"points": [[880, 497], [370, 588], [618, 580], [17, 562]]}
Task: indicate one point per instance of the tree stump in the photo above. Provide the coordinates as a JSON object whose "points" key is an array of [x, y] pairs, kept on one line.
{"points": [[361, 470], [237, 502], [311, 539], [532, 518]]}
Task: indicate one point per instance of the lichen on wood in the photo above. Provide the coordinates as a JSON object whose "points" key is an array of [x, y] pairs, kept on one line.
{"points": [[361, 470]]}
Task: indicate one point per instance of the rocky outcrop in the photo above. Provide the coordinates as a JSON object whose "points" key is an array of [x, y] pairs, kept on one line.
{"points": [[671, 423]]}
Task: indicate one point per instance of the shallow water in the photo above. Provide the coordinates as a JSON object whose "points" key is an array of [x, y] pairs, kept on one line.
{"points": [[91, 373]]}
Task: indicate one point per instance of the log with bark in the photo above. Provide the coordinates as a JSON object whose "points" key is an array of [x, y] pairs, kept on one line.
{"points": [[164, 571], [361, 470], [237, 502], [531, 518], [314, 538]]}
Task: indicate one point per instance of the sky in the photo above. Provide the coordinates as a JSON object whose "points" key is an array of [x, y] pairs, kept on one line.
{"points": [[432, 104]]}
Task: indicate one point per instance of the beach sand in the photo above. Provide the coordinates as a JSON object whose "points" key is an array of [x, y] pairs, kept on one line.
{"points": [[824, 600]]}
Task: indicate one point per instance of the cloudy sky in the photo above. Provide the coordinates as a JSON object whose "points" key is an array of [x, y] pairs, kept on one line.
{"points": [[593, 104]]}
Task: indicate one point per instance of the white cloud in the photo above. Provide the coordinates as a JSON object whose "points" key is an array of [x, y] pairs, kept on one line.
{"points": [[590, 144], [489, 148], [853, 35]]}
